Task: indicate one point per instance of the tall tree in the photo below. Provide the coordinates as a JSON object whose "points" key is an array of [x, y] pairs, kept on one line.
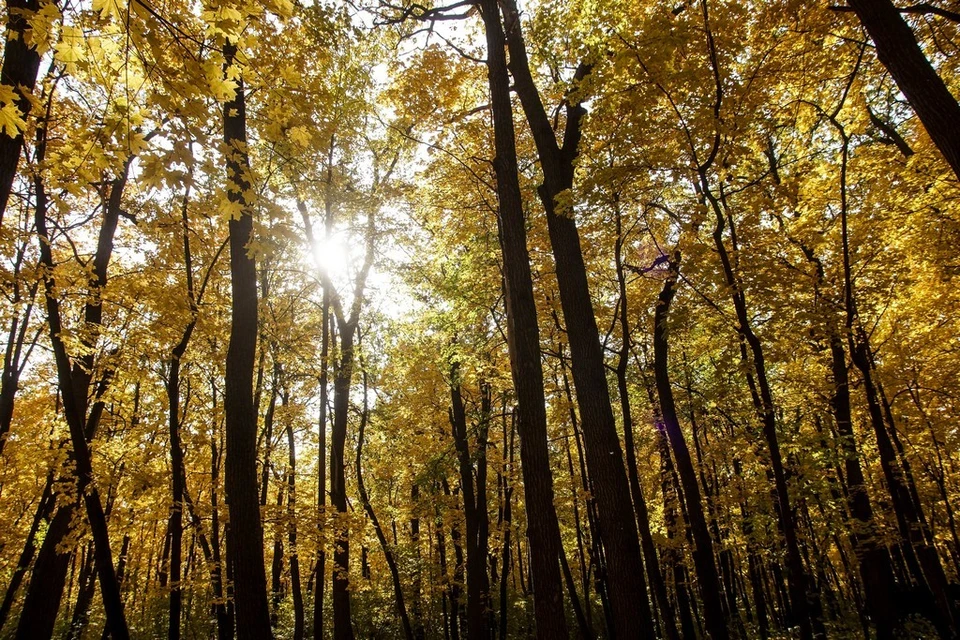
{"points": [[618, 531], [245, 548], [703, 545], [523, 336]]}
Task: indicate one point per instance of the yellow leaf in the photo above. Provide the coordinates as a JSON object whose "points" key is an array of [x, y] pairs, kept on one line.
{"points": [[70, 48], [221, 88], [11, 120], [108, 9]]}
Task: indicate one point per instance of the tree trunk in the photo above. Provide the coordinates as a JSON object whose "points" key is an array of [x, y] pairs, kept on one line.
{"points": [[245, 550], [368, 507], [875, 571], [43, 513], [474, 493], [21, 63], [899, 52], [342, 624], [74, 382], [524, 344], [639, 502], [618, 531], [703, 545], [294, 551], [751, 351]]}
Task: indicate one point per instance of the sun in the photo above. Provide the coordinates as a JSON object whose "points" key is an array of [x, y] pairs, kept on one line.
{"points": [[332, 256]]}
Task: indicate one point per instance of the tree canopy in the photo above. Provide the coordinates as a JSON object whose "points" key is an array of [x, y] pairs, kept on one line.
{"points": [[384, 319]]}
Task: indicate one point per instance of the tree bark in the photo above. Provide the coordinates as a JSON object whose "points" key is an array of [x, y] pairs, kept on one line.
{"points": [[898, 51], [618, 530], [474, 494], [523, 335], [703, 545], [21, 63], [245, 550], [74, 380]]}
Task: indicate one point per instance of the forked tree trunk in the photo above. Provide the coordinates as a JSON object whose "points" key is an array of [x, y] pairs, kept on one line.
{"points": [[618, 530], [524, 344], [74, 379]]}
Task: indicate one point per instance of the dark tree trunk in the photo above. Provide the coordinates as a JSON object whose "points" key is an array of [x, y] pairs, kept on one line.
{"points": [[368, 507], [245, 550], [177, 473], [342, 624], [598, 561], [14, 358], [618, 531], [276, 566], [524, 345], [899, 52], [473, 489], [506, 523], [658, 587], [21, 63], [45, 589], [875, 571], [294, 551], [224, 605], [751, 350], [43, 513], [321, 580], [673, 554], [419, 632], [74, 380], [87, 586], [703, 545]]}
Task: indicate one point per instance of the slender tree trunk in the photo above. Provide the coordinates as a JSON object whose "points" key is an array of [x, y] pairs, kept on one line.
{"points": [[294, 550], [43, 513], [368, 507], [245, 550], [176, 508], [703, 545], [524, 344], [506, 524], [74, 380], [673, 554], [342, 623], [14, 359], [875, 571], [87, 586], [475, 507], [639, 503], [419, 632], [752, 354], [224, 604], [276, 566], [320, 583]]}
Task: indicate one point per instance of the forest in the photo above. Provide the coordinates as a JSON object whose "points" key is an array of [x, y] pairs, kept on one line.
{"points": [[480, 320]]}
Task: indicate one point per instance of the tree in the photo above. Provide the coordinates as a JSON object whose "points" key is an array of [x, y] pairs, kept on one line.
{"points": [[245, 542]]}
